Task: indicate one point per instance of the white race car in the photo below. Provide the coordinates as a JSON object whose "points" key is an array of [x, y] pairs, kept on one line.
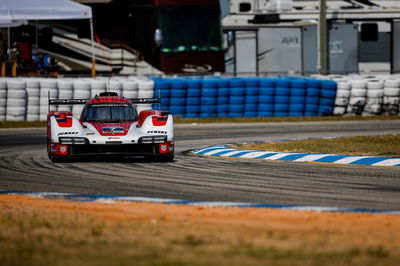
{"points": [[110, 126]]}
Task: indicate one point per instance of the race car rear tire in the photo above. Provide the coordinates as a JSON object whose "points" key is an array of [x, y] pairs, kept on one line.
{"points": [[161, 158], [55, 159]]}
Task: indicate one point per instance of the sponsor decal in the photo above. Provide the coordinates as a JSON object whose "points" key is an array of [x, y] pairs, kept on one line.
{"points": [[113, 130], [336, 47], [291, 41], [63, 149], [113, 137], [156, 132], [90, 134], [67, 133], [163, 148]]}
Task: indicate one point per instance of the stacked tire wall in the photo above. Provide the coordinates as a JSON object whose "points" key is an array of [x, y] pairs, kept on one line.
{"points": [[246, 97], [366, 95], [26, 99]]}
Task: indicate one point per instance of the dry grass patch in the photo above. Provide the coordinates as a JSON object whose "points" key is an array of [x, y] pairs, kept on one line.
{"points": [[55, 232], [385, 145]]}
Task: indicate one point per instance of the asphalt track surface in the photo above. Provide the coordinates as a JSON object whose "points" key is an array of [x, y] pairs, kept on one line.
{"points": [[24, 165]]}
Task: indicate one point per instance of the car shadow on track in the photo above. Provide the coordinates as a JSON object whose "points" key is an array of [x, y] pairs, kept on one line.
{"points": [[112, 160]]}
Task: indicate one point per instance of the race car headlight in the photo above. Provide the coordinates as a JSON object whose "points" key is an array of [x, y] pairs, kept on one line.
{"points": [[73, 141], [152, 139]]}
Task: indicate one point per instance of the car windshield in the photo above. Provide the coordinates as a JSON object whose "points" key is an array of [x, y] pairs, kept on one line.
{"points": [[109, 113]]}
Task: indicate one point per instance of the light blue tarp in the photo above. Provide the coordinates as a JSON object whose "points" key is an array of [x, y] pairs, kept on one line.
{"points": [[14, 12]]}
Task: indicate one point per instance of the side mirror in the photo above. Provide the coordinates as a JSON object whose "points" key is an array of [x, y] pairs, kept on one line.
{"points": [[158, 37]]}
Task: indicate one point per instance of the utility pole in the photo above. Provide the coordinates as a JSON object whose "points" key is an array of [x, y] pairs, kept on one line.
{"points": [[323, 39]]}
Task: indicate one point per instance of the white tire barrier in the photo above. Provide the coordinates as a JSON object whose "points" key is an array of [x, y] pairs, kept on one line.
{"points": [[344, 86], [373, 109], [33, 101], [375, 100], [10, 117], [338, 110], [16, 84], [358, 84], [33, 92], [43, 109], [358, 92], [16, 111], [375, 93], [16, 102], [145, 93], [43, 117], [65, 84], [65, 91], [98, 84], [81, 84], [357, 101], [392, 83], [130, 89], [342, 93], [341, 101], [375, 85], [64, 108], [32, 83], [3, 84], [65, 94], [145, 84], [48, 83], [14, 93], [391, 91], [391, 100], [48, 92], [32, 117], [81, 94], [354, 109], [33, 109], [115, 86]]}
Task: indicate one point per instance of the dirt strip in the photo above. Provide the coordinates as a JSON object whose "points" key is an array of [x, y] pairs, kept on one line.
{"points": [[35, 231]]}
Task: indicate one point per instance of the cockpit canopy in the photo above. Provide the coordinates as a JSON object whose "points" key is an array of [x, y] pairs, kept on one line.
{"points": [[114, 112]]}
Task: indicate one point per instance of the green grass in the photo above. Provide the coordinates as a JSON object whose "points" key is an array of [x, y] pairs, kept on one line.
{"points": [[22, 124], [179, 120], [385, 145]]}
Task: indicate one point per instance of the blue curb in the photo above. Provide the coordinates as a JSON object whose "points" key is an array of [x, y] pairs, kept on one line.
{"points": [[109, 198], [225, 150]]}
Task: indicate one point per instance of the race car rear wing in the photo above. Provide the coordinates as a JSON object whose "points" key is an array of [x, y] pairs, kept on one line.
{"points": [[67, 101], [84, 101]]}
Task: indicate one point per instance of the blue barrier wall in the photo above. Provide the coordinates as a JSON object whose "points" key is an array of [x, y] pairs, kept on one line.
{"points": [[245, 97]]}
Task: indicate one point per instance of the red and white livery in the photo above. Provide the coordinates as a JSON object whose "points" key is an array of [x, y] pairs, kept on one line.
{"points": [[109, 125]]}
